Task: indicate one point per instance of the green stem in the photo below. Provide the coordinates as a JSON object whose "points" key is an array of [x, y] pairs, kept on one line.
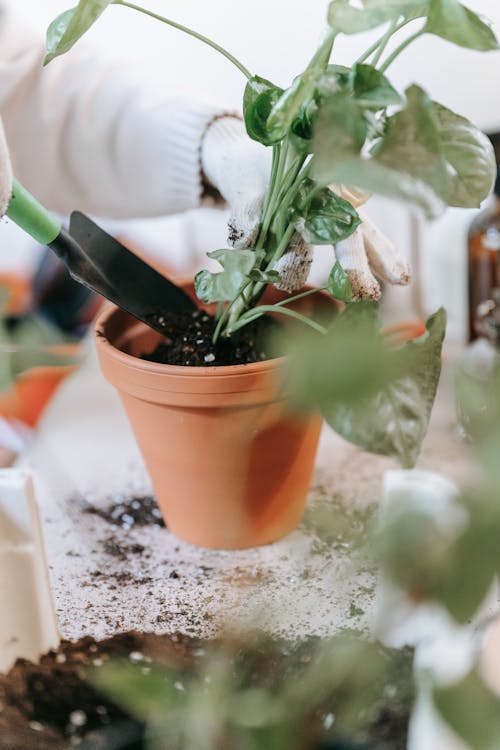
{"points": [[296, 297], [383, 42], [225, 313], [400, 49], [263, 309], [374, 47], [189, 31]]}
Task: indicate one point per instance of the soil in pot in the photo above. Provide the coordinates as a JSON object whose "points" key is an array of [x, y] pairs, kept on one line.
{"points": [[188, 341], [52, 706]]}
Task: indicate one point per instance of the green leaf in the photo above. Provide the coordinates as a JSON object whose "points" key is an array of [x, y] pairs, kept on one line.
{"points": [[226, 285], [70, 25], [321, 216], [407, 164], [340, 132], [472, 711], [145, 696], [470, 158], [338, 284], [451, 20], [258, 101], [370, 175], [394, 421], [289, 104], [347, 364], [350, 18], [412, 143], [373, 90]]}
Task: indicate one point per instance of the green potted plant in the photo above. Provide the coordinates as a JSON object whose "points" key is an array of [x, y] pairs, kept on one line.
{"points": [[230, 464]]}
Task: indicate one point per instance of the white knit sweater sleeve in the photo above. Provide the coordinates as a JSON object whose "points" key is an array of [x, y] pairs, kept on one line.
{"points": [[88, 135]]}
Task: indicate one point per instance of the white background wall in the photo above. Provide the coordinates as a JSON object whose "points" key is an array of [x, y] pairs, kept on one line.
{"points": [[275, 38]]}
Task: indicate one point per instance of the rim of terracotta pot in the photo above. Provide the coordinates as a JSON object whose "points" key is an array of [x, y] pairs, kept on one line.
{"points": [[180, 385], [183, 371]]}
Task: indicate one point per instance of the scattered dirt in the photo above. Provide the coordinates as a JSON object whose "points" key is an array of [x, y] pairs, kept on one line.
{"points": [[127, 512], [53, 706], [189, 341]]}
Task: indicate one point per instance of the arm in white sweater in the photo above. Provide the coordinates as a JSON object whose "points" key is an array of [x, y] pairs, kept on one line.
{"points": [[89, 135]]}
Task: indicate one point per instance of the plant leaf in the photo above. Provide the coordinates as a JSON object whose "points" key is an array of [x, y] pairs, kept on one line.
{"points": [[370, 175], [372, 89], [70, 25], [289, 104], [394, 422], [408, 163], [349, 18], [412, 143], [470, 156], [224, 286], [339, 133], [347, 364], [338, 284], [472, 711], [322, 217], [454, 22], [258, 101]]}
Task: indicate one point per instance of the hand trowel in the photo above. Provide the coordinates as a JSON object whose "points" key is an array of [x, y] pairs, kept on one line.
{"points": [[97, 260]]}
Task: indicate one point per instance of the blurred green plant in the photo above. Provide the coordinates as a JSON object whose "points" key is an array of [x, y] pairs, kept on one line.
{"points": [[252, 693], [29, 341]]}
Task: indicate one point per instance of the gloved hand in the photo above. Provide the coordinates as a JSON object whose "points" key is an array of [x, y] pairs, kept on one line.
{"points": [[5, 174], [239, 168]]}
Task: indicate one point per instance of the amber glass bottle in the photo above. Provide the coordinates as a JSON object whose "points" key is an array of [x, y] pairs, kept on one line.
{"points": [[484, 266]]}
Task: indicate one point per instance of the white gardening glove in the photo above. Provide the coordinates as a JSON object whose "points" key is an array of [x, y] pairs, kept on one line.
{"points": [[239, 168], [366, 253], [5, 174]]}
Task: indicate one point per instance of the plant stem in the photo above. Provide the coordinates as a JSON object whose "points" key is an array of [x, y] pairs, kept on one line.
{"points": [[263, 309], [383, 42], [225, 313], [374, 47], [189, 31], [400, 49]]}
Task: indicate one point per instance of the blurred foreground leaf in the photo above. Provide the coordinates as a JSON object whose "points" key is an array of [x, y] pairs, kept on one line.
{"points": [[472, 711], [377, 398]]}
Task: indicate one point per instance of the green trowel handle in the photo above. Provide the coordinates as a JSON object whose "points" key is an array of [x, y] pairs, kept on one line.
{"points": [[31, 216]]}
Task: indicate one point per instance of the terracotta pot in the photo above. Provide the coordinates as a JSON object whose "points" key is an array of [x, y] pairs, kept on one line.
{"points": [[230, 465], [30, 392]]}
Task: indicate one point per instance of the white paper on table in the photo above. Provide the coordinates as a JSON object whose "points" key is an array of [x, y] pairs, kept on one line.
{"points": [[28, 625]]}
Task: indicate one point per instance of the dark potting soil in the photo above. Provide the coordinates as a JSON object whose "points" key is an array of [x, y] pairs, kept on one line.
{"points": [[140, 510], [188, 341], [53, 706]]}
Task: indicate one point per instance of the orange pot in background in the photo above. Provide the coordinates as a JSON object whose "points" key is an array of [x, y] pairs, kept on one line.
{"points": [[31, 391], [231, 467]]}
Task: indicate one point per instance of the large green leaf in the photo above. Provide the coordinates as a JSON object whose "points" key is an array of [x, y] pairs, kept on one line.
{"points": [[394, 421], [350, 18], [470, 156], [425, 158], [472, 711], [412, 143], [258, 101], [340, 132], [347, 364], [321, 216], [451, 20], [72, 24], [370, 175], [224, 286]]}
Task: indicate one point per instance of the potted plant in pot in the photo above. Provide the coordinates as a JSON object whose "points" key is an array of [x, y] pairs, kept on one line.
{"points": [[230, 464]]}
